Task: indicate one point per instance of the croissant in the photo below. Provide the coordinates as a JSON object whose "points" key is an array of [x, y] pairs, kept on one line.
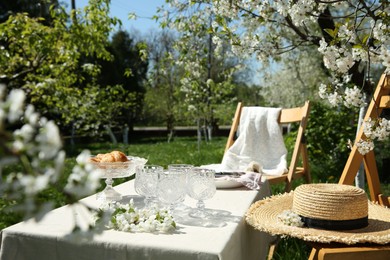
{"points": [[114, 156], [119, 156]]}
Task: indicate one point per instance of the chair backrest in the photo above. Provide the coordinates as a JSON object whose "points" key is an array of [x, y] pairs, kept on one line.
{"points": [[296, 114], [287, 116], [291, 115], [379, 102]]}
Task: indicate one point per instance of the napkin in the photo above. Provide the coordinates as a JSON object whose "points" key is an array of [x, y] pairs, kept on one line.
{"points": [[251, 180]]}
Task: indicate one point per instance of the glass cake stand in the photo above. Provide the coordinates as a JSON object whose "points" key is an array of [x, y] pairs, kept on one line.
{"points": [[112, 170]]}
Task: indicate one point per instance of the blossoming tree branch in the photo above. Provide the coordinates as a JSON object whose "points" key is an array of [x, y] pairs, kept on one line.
{"points": [[352, 36]]}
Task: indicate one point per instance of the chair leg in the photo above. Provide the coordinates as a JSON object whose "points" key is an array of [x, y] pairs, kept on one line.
{"points": [[272, 248], [288, 186], [313, 254]]}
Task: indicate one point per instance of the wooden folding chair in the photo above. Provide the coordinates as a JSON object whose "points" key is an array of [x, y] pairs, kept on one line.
{"points": [[287, 116], [380, 101], [339, 252]]}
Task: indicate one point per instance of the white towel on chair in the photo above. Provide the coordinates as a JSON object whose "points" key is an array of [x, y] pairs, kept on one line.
{"points": [[260, 140]]}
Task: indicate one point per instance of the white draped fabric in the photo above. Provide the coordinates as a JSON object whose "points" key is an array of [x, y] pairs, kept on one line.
{"points": [[226, 236], [260, 141]]}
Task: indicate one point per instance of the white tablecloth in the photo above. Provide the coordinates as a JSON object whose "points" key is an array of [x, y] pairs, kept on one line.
{"points": [[226, 237]]}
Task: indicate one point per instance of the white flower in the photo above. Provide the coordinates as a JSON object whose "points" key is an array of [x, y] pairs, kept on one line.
{"points": [[88, 66], [299, 11], [16, 102], [85, 178], [49, 141], [382, 130], [323, 46], [83, 157], [365, 146], [83, 182], [373, 129], [33, 184], [290, 218], [18, 146], [353, 97], [127, 218], [191, 108], [359, 53], [322, 92], [26, 133], [345, 63], [368, 127], [31, 116], [38, 144], [334, 98], [347, 78], [335, 58], [346, 33]]}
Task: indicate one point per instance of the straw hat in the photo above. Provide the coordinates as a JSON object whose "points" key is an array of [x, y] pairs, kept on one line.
{"points": [[329, 206]]}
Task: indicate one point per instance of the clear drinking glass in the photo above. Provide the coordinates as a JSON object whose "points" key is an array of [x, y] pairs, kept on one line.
{"points": [[180, 166], [184, 168], [200, 186], [145, 183], [171, 187]]}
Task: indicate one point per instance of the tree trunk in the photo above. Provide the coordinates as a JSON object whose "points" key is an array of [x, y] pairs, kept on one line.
{"points": [[126, 135], [210, 132], [199, 133], [170, 126], [111, 134]]}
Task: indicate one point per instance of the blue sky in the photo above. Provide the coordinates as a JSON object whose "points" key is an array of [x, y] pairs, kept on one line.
{"points": [[144, 9]]}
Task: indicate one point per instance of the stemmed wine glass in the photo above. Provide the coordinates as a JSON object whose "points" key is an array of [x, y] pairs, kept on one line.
{"points": [[200, 186], [145, 182]]}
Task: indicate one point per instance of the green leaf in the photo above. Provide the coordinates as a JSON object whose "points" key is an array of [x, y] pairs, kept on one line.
{"points": [[365, 39], [332, 33]]}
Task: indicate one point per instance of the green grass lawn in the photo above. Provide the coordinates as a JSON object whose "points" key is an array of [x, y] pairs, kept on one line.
{"points": [[160, 152]]}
